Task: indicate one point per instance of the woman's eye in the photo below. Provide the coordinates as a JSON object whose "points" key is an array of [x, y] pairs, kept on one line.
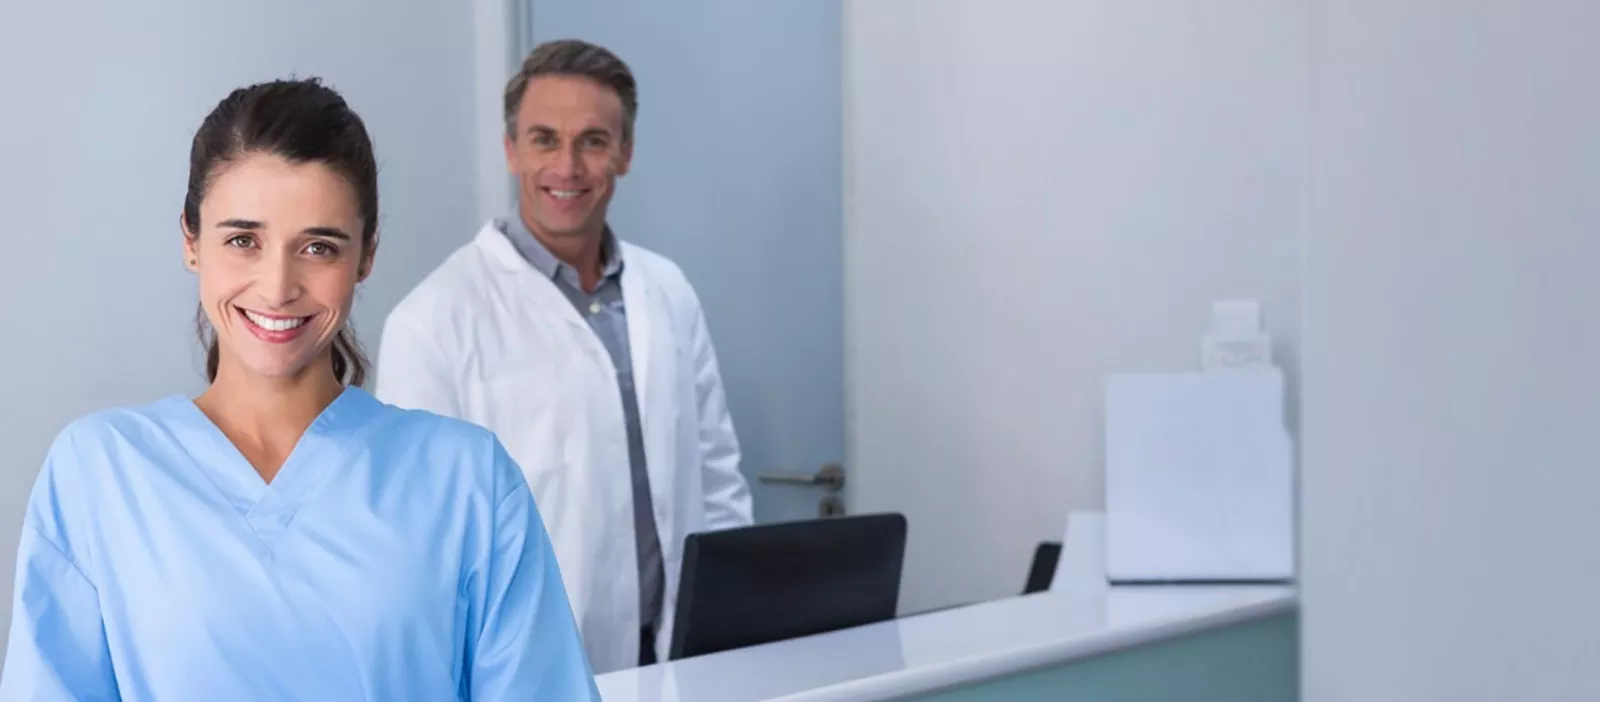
{"points": [[241, 241], [317, 248]]}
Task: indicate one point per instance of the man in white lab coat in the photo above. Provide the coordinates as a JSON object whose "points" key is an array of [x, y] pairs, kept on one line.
{"points": [[588, 356]]}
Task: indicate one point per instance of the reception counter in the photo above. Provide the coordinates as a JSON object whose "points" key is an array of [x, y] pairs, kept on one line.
{"points": [[1146, 642]]}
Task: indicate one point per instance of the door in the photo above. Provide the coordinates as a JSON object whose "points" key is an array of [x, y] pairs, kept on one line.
{"points": [[737, 177]]}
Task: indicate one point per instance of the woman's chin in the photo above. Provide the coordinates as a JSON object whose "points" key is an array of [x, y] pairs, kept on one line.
{"points": [[279, 361]]}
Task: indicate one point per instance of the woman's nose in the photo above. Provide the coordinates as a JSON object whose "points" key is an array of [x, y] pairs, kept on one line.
{"points": [[279, 281]]}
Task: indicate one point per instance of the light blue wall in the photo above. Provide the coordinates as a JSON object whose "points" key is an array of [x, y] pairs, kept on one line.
{"points": [[737, 176]]}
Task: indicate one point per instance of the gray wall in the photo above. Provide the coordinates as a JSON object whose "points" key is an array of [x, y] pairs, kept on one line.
{"points": [[1041, 193], [101, 99], [1452, 393]]}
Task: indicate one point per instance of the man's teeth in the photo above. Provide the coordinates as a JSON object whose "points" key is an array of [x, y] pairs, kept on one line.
{"points": [[271, 324], [564, 194]]}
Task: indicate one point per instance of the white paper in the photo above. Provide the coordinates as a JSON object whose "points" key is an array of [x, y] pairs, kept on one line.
{"points": [[1237, 353], [1199, 477], [1235, 318]]}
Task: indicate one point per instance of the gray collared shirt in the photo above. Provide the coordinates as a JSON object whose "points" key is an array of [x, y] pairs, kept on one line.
{"points": [[608, 317]]}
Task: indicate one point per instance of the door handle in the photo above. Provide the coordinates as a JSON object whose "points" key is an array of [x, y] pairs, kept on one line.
{"points": [[830, 477]]}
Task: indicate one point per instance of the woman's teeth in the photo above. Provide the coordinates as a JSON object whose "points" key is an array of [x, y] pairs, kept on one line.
{"points": [[564, 194], [272, 324]]}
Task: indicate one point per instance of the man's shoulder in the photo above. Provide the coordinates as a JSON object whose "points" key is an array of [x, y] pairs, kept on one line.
{"points": [[455, 287], [659, 270]]}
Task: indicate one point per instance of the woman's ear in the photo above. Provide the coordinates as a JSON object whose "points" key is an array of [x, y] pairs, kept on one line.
{"points": [[364, 268], [191, 257]]}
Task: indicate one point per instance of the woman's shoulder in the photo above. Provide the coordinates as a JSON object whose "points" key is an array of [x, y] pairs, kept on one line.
{"points": [[442, 440], [85, 457], [116, 426], [437, 430]]}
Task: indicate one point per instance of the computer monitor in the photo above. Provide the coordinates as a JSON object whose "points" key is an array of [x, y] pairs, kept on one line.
{"points": [[771, 582]]}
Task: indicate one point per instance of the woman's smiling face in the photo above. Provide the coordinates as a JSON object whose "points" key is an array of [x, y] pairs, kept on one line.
{"points": [[278, 253]]}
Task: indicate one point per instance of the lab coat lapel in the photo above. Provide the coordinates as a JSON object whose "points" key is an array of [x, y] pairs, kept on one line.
{"points": [[636, 300], [520, 275]]}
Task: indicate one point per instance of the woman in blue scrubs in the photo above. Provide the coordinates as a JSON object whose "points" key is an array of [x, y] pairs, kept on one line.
{"points": [[284, 535]]}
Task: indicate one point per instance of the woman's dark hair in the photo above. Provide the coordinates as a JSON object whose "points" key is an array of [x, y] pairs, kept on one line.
{"points": [[301, 121]]}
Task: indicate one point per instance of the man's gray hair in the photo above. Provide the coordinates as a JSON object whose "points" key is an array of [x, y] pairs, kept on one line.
{"points": [[574, 57]]}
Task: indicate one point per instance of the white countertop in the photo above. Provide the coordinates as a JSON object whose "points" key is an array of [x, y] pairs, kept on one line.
{"points": [[937, 650]]}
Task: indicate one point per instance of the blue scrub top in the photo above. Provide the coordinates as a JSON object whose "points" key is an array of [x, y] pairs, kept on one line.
{"points": [[397, 555]]}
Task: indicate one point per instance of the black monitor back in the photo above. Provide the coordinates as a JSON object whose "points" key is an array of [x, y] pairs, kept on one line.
{"points": [[771, 582]]}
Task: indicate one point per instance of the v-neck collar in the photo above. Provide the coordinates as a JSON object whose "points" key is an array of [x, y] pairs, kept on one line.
{"points": [[315, 458]]}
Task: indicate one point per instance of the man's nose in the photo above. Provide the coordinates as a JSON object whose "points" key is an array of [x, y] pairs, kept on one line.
{"points": [[570, 162]]}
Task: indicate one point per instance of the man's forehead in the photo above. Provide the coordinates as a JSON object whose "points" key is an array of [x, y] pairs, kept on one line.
{"points": [[568, 124], [570, 95]]}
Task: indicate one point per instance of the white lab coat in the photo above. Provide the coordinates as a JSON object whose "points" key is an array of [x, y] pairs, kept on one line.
{"points": [[487, 338]]}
